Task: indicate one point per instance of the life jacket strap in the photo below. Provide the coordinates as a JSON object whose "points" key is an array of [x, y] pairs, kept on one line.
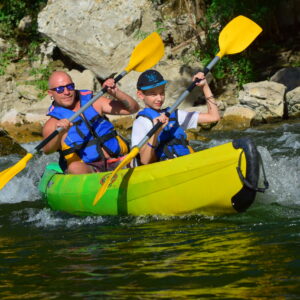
{"points": [[98, 141], [169, 151]]}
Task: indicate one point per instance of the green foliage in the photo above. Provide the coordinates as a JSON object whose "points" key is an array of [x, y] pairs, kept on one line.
{"points": [[160, 27], [243, 70], [222, 11], [27, 41], [6, 57], [140, 35], [295, 64], [41, 76], [239, 68], [32, 51], [12, 11]]}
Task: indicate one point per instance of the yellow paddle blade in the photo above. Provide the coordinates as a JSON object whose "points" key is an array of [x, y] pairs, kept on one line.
{"points": [[8, 174], [128, 158], [146, 54], [237, 35]]}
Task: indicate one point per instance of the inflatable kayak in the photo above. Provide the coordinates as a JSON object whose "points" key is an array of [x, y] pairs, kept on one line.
{"points": [[218, 180]]}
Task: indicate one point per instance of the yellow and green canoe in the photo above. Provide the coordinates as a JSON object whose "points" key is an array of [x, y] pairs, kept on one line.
{"points": [[218, 180]]}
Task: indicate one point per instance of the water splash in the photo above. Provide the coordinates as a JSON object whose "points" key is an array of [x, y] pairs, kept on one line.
{"points": [[19, 189], [283, 176], [46, 218], [23, 187]]}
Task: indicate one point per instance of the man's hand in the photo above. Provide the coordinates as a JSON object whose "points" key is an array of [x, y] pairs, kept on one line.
{"points": [[111, 86], [64, 123]]}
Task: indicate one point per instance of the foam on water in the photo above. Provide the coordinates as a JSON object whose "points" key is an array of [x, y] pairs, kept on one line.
{"points": [[288, 143], [23, 187], [19, 189], [283, 176], [46, 218]]}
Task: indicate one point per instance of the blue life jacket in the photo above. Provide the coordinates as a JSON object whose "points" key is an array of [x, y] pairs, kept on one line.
{"points": [[172, 141], [90, 132]]}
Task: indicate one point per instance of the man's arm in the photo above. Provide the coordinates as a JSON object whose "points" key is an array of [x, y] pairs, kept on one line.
{"points": [[122, 104], [51, 125]]}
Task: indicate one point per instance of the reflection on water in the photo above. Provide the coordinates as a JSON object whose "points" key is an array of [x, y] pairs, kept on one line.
{"points": [[231, 257], [184, 258]]}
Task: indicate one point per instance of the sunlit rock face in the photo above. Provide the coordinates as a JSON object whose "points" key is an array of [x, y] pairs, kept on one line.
{"points": [[98, 35], [266, 98]]}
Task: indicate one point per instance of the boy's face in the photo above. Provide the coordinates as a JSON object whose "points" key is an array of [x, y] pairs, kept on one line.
{"points": [[153, 98]]}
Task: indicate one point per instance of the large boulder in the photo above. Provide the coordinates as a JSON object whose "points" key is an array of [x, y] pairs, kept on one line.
{"points": [[98, 35], [236, 117], [266, 98]]}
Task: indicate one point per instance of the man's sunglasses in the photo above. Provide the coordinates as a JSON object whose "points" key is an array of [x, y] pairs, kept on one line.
{"points": [[61, 89]]}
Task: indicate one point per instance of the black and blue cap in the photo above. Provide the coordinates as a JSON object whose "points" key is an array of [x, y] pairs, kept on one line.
{"points": [[149, 80]]}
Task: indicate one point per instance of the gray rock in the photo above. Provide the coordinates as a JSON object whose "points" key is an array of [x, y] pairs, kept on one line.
{"points": [[25, 23], [85, 80], [97, 34], [266, 98], [8, 145], [28, 92], [236, 117], [290, 77], [8, 94], [293, 103]]}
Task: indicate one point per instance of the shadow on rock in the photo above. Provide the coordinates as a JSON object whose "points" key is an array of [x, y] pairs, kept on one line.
{"points": [[9, 146]]}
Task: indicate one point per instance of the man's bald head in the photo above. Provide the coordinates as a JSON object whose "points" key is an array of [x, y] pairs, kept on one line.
{"points": [[57, 78], [63, 96]]}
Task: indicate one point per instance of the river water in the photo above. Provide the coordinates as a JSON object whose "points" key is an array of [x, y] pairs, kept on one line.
{"points": [[253, 255]]}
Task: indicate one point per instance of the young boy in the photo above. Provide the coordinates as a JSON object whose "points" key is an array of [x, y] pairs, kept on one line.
{"points": [[170, 140]]}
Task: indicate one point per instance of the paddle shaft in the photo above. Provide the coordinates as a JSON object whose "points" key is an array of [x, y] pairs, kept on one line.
{"points": [[80, 111], [177, 103]]}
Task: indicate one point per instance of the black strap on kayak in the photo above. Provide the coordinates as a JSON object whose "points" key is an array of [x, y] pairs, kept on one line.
{"points": [[246, 182]]}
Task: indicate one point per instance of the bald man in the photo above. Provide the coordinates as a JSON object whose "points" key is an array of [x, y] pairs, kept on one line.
{"points": [[89, 143]]}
